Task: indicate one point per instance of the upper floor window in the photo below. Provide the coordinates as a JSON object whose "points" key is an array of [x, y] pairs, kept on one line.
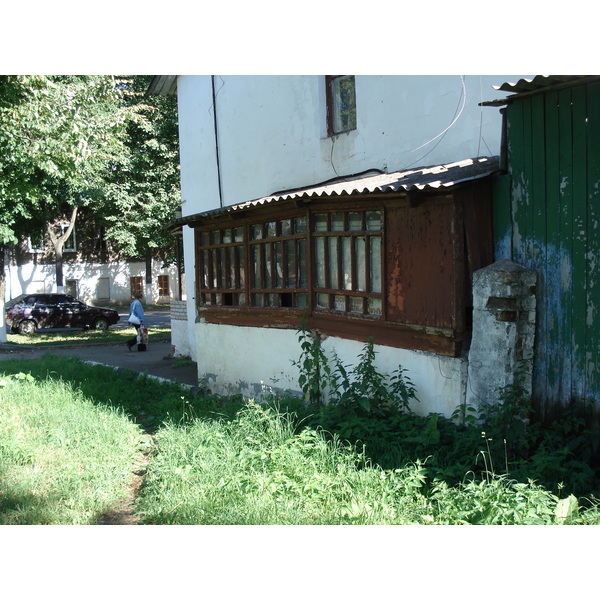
{"points": [[341, 103], [35, 243], [70, 243]]}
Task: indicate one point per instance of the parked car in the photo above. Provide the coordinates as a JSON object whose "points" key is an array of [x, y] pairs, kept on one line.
{"points": [[28, 312]]}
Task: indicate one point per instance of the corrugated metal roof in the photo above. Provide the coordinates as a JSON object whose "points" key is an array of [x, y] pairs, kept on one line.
{"points": [[433, 178], [539, 83], [163, 85]]}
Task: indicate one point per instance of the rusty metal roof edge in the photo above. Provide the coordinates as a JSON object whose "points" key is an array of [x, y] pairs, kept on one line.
{"points": [[478, 168]]}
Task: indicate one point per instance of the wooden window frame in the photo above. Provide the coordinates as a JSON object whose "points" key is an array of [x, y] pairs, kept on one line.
{"points": [[134, 287], [161, 286], [426, 267], [330, 101]]}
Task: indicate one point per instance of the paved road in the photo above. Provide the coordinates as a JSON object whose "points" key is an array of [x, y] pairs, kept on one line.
{"points": [[156, 361]]}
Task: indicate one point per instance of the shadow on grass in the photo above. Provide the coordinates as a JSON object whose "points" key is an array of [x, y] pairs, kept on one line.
{"points": [[144, 400]]}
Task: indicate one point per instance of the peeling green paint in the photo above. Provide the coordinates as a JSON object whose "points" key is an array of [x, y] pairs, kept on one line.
{"points": [[547, 218]]}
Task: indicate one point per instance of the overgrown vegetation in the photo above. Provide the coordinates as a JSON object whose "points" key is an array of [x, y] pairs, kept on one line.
{"points": [[225, 461], [373, 411]]}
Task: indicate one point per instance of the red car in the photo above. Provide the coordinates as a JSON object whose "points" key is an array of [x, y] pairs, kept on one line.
{"points": [[28, 312]]}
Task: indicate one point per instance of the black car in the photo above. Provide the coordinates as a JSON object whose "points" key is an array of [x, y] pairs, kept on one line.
{"points": [[28, 312]]}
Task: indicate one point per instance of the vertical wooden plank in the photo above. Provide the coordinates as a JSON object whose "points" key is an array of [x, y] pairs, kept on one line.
{"points": [[549, 307], [542, 110], [593, 251], [579, 243], [565, 275], [518, 188]]}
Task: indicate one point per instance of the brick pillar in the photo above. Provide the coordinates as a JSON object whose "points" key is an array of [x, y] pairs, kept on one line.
{"points": [[503, 330]]}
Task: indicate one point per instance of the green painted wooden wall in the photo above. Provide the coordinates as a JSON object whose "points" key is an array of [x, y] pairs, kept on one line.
{"points": [[547, 218]]}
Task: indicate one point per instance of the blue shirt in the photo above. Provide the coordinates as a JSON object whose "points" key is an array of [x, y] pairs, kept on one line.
{"points": [[137, 309]]}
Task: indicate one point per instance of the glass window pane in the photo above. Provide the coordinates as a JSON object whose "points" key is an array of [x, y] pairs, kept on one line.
{"points": [[205, 265], [257, 299], [222, 269], [340, 302], [227, 236], [361, 267], [238, 234], [323, 300], [302, 270], [257, 232], [320, 222], [320, 261], [344, 103], [215, 237], [356, 304], [374, 306], [300, 225], [333, 263], [301, 300], [374, 221], [241, 266], [268, 267], [290, 247], [241, 299], [215, 268], [278, 264], [337, 222], [286, 227], [204, 239], [355, 221], [271, 229], [231, 257], [256, 261], [375, 242], [347, 262]]}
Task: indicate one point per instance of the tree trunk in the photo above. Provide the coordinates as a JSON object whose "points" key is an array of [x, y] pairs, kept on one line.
{"points": [[58, 238], [148, 277]]}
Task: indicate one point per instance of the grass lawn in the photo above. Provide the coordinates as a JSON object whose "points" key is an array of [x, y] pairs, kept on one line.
{"points": [[71, 433], [78, 336]]}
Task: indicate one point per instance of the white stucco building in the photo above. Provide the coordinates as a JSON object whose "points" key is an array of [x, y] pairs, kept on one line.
{"points": [[305, 197]]}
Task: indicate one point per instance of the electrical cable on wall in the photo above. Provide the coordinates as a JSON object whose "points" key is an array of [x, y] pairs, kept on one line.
{"points": [[457, 113], [214, 107]]}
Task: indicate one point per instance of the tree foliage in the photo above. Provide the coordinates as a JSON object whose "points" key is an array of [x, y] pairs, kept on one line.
{"points": [[142, 188], [58, 134], [68, 142]]}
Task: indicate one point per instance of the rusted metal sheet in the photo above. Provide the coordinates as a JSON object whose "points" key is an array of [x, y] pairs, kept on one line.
{"points": [[421, 266]]}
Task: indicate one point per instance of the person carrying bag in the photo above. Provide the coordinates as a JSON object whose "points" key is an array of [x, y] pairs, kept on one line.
{"points": [[136, 318]]}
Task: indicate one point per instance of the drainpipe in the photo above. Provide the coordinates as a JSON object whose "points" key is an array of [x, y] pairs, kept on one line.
{"points": [[214, 97]]}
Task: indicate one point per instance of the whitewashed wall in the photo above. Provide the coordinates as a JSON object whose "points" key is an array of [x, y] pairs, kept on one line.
{"points": [[440, 381], [272, 137], [32, 278]]}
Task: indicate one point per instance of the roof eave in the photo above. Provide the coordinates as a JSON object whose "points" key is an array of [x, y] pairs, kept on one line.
{"points": [[163, 85], [476, 169]]}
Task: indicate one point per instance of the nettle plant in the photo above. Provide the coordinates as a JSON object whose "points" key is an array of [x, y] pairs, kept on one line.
{"points": [[363, 387]]}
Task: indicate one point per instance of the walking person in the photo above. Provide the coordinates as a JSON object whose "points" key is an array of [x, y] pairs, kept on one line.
{"points": [[136, 318]]}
